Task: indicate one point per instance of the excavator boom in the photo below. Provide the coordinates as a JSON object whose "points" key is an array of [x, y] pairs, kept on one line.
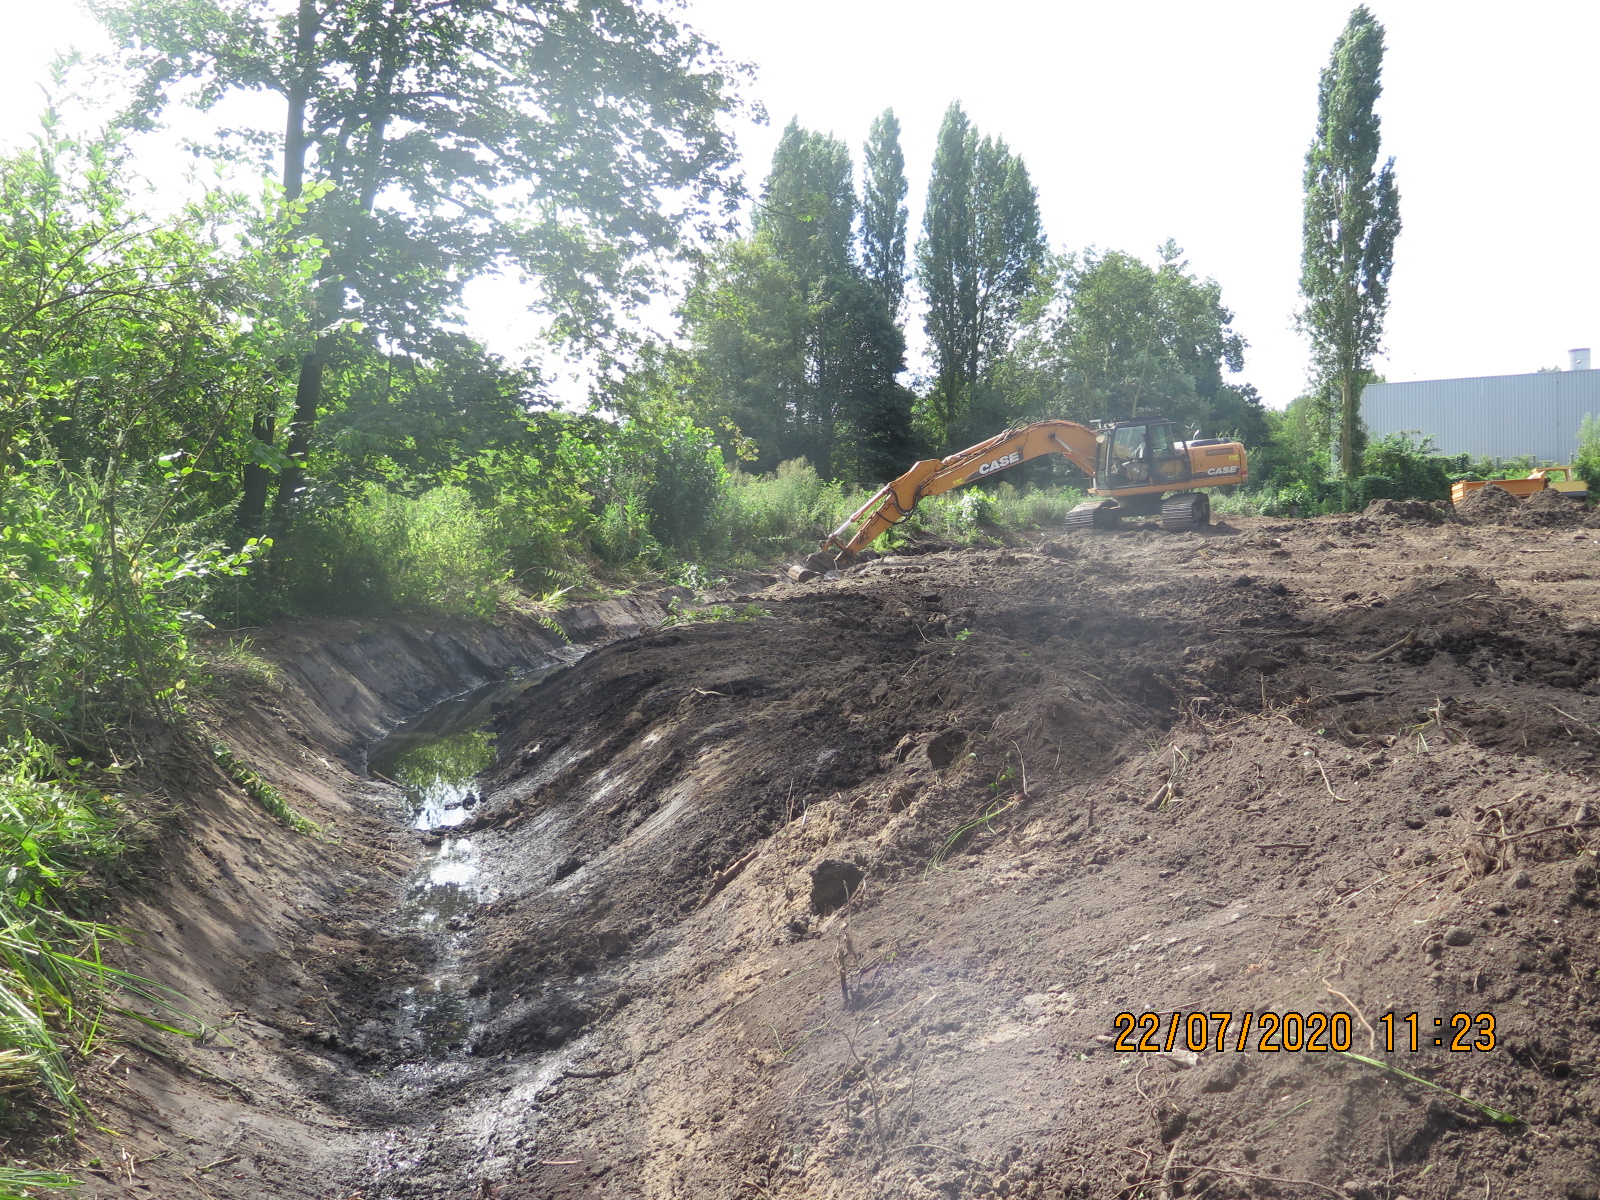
{"points": [[894, 502]]}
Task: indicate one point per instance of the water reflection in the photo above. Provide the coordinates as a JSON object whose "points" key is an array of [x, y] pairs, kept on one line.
{"points": [[435, 760]]}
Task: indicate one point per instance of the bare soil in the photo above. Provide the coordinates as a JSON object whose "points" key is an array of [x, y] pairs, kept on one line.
{"points": [[844, 901]]}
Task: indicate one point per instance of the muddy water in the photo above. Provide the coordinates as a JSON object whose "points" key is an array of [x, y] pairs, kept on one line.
{"points": [[435, 760]]}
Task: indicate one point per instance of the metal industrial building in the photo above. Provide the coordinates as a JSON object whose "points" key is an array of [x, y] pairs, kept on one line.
{"points": [[1500, 416]]}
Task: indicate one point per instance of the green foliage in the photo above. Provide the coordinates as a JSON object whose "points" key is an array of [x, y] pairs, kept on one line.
{"points": [[55, 988], [385, 552], [679, 613], [123, 337], [975, 516], [621, 535], [1295, 450], [792, 344], [667, 472], [259, 790], [1399, 466], [438, 143], [98, 583], [1409, 469], [1117, 337], [883, 212], [981, 256], [17, 1182], [1586, 464], [762, 518], [1352, 218]]}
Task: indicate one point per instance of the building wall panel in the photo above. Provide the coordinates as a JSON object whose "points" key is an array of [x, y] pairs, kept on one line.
{"points": [[1501, 416]]}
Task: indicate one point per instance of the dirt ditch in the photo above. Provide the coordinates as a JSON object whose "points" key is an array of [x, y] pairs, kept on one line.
{"points": [[845, 900]]}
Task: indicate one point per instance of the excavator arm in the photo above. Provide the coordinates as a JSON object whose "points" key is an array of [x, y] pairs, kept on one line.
{"points": [[895, 501]]}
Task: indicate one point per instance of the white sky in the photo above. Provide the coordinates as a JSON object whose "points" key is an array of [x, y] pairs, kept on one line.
{"points": [[1154, 118]]}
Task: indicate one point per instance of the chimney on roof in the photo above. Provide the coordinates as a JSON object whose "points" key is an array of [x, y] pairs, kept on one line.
{"points": [[1578, 360]]}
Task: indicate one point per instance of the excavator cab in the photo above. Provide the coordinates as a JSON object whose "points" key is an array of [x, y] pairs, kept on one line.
{"points": [[1144, 455]]}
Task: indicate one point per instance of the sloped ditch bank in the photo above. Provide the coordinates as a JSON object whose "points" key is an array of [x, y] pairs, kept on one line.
{"points": [[287, 946], [844, 902]]}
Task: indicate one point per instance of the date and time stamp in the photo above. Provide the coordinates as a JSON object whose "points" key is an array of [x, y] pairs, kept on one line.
{"points": [[1298, 1032]]}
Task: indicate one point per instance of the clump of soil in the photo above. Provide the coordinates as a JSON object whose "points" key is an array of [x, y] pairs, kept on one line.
{"points": [[1488, 505]]}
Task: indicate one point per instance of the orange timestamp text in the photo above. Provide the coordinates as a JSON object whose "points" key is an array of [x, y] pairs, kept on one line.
{"points": [[1309, 1032]]}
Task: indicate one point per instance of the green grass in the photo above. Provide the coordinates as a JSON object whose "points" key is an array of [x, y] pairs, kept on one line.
{"points": [[262, 792], [56, 988], [1497, 1115], [679, 613], [14, 1181], [763, 518]]}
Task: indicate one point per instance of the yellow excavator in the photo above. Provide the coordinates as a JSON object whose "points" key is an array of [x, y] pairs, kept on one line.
{"points": [[1138, 468]]}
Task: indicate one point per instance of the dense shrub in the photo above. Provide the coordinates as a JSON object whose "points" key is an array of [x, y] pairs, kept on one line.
{"points": [[1587, 462], [385, 552], [763, 517]]}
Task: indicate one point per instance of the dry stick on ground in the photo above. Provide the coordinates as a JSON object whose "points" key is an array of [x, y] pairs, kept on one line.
{"points": [[1328, 784], [1579, 720], [1164, 1184], [1380, 655], [1372, 1034], [1023, 765], [1279, 1179], [1567, 825]]}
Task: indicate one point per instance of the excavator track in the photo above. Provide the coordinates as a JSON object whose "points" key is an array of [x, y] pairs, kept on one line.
{"points": [[1190, 510], [1094, 514]]}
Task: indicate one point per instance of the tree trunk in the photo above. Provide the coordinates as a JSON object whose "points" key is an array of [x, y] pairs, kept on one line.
{"points": [[1347, 427], [294, 131], [256, 480], [307, 399]]}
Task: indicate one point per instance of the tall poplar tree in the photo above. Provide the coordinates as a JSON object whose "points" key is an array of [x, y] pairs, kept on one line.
{"points": [[981, 254], [883, 212], [1352, 218], [792, 343]]}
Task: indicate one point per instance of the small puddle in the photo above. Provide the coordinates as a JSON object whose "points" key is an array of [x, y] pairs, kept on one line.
{"points": [[435, 760]]}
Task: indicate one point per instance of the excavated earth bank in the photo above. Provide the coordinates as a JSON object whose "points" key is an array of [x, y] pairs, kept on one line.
{"points": [[844, 901]]}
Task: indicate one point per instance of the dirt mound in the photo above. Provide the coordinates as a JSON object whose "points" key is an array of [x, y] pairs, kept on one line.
{"points": [[1549, 508], [853, 896], [1406, 510], [1488, 505], [846, 901]]}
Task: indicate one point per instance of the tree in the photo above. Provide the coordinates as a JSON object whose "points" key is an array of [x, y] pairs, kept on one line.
{"points": [[980, 256], [1122, 337], [791, 342], [883, 212], [1352, 218], [572, 142]]}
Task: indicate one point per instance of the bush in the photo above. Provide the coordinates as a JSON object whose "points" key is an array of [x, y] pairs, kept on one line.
{"points": [[98, 583], [385, 552], [621, 535], [760, 518], [1587, 462], [1410, 470]]}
